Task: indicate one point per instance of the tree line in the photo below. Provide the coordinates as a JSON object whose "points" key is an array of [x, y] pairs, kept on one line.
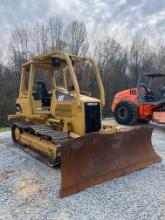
{"points": [[119, 64]]}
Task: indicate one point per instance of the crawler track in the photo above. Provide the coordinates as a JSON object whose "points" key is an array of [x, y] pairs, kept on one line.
{"points": [[44, 132]]}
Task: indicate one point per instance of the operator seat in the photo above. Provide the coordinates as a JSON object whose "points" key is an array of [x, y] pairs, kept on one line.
{"points": [[149, 96], [43, 91]]}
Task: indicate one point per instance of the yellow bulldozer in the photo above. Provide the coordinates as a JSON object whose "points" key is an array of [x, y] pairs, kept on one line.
{"points": [[59, 120]]}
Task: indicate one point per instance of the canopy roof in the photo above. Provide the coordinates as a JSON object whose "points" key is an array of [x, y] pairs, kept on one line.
{"points": [[154, 75], [55, 60]]}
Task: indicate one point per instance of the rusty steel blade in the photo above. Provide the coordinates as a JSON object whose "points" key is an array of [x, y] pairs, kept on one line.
{"points": [[97, 157]]}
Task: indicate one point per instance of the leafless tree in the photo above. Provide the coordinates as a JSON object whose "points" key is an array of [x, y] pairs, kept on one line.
{"points": [[75, 37], [160, 58], [55, 33], [112, 61], [40, 38], [19, 45], [136, 54]]}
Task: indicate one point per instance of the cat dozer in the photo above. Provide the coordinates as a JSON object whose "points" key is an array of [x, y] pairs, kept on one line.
{"points": [[58, 119]]}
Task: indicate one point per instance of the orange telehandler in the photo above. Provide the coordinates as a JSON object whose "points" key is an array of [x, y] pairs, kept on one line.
{"points": [[144, 103]]}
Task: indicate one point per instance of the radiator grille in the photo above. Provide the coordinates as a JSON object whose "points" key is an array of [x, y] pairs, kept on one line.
{"points": [[92, 117]]}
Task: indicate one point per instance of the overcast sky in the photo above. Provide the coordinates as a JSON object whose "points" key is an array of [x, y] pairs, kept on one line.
{"points": [[118, 18]]}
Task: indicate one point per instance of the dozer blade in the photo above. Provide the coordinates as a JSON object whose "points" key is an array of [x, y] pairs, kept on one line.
{"points": [[97, 157]]}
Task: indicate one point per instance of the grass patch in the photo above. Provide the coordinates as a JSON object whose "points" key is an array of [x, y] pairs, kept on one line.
{"points": [[4, 129]]}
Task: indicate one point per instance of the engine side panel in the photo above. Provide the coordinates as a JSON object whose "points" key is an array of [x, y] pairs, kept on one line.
{"points": [[129, 94]]}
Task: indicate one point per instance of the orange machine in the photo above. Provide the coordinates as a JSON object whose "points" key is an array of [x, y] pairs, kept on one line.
{"points": [[144, 103]]}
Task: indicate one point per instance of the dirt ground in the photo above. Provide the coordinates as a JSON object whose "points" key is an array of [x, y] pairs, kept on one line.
{"points": [[30, 190]]}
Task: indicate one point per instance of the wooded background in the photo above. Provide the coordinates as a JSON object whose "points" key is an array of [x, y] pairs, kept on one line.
{"points": [[119, 64]]}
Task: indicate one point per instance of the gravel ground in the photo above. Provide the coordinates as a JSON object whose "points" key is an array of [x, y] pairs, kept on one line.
{"points": [[30, 190]]}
